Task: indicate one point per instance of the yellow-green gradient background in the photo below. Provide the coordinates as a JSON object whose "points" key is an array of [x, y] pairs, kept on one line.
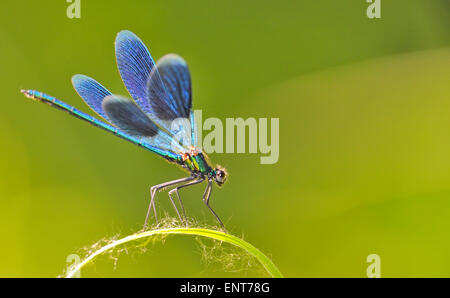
{"points": [[364, 112]]}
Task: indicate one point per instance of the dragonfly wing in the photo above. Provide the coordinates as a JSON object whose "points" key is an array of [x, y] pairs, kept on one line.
{"points": [[135, 64], [170, 97], [127, 116], [162, 92], [91, 92], [169, 89]]}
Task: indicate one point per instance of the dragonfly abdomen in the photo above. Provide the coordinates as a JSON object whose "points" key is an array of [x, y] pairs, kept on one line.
{"points": [[52, 101]]}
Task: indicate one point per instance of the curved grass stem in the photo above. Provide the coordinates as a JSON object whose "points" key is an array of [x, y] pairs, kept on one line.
{"points": [[213, 234]]}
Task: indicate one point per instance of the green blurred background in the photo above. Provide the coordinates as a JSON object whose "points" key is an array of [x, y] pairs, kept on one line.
{"points": [[364, 114]]}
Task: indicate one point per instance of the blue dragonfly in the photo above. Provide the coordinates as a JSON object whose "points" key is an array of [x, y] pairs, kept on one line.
{"points": [[161, 95]]}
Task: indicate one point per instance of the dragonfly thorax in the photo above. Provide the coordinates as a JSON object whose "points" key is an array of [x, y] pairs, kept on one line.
{"points": [[197, 163]]}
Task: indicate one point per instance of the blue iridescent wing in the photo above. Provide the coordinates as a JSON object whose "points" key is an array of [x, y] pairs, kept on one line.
{"points": [[170, 97], [126, 115], [169, 89], [163, 92], [91, 92], [135, 64], [94, 94]]}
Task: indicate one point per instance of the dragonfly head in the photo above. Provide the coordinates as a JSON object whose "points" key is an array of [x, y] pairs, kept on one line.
{"points": [[220, 175]]}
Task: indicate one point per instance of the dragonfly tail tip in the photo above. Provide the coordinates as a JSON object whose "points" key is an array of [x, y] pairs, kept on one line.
{"points": [[27, 93]]}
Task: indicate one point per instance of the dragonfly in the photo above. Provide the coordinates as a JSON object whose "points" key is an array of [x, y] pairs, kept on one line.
{"points": [[161, 93]]}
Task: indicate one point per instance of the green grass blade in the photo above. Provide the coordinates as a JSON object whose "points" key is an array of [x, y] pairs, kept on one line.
{"points": [[213, 234]]}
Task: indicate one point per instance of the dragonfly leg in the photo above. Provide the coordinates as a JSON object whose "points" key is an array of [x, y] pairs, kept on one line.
{"points": [[154, 190], [175, 190], [206, 197], [175, 207]]}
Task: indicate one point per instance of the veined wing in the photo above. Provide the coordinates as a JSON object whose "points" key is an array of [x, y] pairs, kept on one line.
{"points": [[135, 64], [124, 113], [163, 91], [91, 92], [170, 97], [169, 90]]}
